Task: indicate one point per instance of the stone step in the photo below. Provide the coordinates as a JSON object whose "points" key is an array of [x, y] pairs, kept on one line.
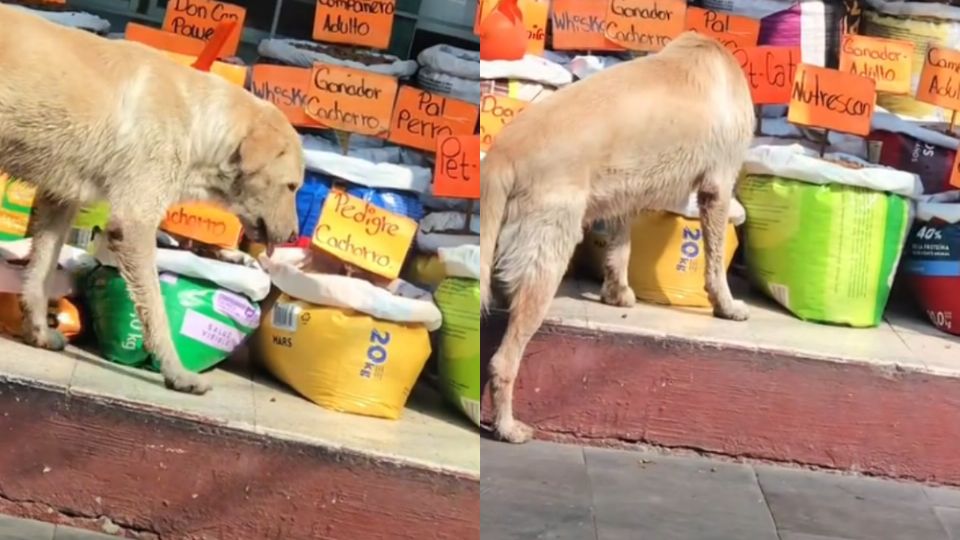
{"points": [[882, 401], [82, 440]]}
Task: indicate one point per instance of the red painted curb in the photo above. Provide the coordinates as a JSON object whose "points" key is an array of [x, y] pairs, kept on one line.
{"points": [[596, 387], [70, 459]]}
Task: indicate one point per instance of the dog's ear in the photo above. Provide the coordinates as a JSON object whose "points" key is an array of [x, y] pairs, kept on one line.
{"points": [[257, 149]]}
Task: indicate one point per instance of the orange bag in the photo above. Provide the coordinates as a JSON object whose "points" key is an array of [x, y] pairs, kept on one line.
{"points": [[62, 315]]}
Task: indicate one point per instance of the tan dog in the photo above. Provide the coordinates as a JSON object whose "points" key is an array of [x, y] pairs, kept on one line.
{"points": [[641, 135], [84, 118]]}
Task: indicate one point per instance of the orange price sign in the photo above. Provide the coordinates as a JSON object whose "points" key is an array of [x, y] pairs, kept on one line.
{"points": [[351, 99], [421, 118], [457, 172], [955, 172], [733, 31], [832, 99], [286, 87], [368, 23], [535, 14], [495, 113], [199, 19], [205, 223], [166, 41], [579, 25], [770, 72], [889, 62], [940, 78], [357, 232], [645, 25]]}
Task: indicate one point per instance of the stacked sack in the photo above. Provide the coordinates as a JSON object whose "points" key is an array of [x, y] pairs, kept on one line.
{"points": [[211, 293], [343, 342], [530, 79], [451, 71], [824, 235], [60, 14], [301, 53], [458, 297]]}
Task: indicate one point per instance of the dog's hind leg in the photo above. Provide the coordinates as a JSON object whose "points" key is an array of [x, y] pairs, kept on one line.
{"points": [[714, 195], [133, 242], [537, 252], [49, 227], [616, 291]]}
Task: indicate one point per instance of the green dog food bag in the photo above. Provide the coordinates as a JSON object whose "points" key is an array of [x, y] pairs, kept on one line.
{"points": [[208, 323], [458, 298], [824, 236]]}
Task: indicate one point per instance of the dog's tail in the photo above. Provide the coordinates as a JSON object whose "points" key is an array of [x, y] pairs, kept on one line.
{"points": [[496, 183]]}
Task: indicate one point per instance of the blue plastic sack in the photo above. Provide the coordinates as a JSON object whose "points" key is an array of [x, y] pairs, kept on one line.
{"points": [[316, 188]]}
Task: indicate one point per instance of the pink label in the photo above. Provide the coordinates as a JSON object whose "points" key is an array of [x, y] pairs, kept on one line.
{"points": [[237, 308], [210, 332]]}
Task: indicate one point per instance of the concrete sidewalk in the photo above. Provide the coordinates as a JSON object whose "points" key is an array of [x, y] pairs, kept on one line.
{"points": [[559, 492], [22, 529]]}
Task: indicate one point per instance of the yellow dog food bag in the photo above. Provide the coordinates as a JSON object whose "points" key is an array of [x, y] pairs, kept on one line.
{"points": [[667, 258], [343, 360]]}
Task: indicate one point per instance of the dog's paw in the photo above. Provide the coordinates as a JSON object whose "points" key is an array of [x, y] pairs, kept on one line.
{"points": [[188, 383], [46, 338], [514, 432], [735, 311], [619, 296]]}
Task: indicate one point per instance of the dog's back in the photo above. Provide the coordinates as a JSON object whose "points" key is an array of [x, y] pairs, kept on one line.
{"points": [[637, 136]]}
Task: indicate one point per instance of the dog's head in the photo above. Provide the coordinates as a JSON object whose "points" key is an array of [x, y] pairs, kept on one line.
{"points": [[267, 170]]}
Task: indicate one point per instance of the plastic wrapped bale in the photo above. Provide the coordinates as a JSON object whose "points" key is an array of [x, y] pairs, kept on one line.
{"points": [[907, 146], [208, 323], [532, 79], [667, 260], [451, 71], [342, 342], [932, 263], [458, 298], [301, 53], [924, 24], [824, 236]]}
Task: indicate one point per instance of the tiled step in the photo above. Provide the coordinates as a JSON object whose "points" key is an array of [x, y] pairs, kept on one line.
{"points": [[81, 439], [883, 401]]}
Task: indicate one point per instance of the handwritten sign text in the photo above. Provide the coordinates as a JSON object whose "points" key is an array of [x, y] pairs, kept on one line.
{"points": [[832, 99], [457, 173], [495, 113], [770, 72], [421, 118], [940, 78], [199, 18], [350, 99], [286, 87], [886, 61], [580, 25], [733, 31], [359, 233], [204, 223], [645, 25], [368, 23]]}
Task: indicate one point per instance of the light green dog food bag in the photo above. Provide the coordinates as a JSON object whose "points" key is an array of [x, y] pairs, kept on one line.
{"points": [[824, 239]]}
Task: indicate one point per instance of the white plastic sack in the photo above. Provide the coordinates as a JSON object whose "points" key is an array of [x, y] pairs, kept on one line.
{"points": [[70, 260], [319, 157], [530, 68], [433, 242], [346, 292], [252, 282], [297, 53], [439, 222], [584, 66], [450, 60], [799, 163], [462, 261], [450, 85]]}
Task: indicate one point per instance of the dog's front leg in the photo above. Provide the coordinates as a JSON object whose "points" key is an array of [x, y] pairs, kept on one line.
{"points": [[134, 244], [616, 290], [49, 227], [714, 201]]}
